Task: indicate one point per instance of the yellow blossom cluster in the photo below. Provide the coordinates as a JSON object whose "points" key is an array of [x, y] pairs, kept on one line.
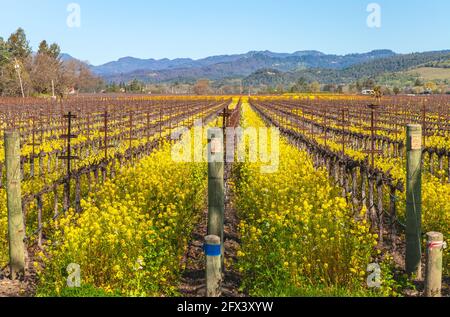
{"points": [[133, 231], [296, 230], [94, 156]]}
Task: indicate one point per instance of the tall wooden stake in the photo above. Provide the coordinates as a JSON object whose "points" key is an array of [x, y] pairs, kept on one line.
{"points": [[414, 200], [69, 157], [433, 277], [16, 232], [213, 266], [216, 189]]}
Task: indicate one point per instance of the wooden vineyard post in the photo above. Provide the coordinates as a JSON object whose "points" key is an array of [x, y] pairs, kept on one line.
{"points": [[105, 129], [16, 232], [344, 126], [393, 214], [216, 189], [39, 205], [33, 144], [433, 275], [69, 157], [148, 127], [448, 167], [130, 137], [373, 128], [379, 184], [213, 266], [414, 200], [1, 175], [160, 123]]}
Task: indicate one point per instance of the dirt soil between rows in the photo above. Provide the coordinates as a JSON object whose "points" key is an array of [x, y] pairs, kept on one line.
{"points": [[25, 287], [193, 282]]}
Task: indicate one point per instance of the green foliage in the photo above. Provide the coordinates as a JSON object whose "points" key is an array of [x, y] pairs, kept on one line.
{"points": [[52, 51], [135, 86], [443, 63], [278, 210], [18, 45], [269, 77], [133, 231], [4, 52], [393, 282], [381, 71], [39, 70], [393, 64]]}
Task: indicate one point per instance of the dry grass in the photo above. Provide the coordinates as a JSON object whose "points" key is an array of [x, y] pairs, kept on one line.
{"points": [[431, 73]]}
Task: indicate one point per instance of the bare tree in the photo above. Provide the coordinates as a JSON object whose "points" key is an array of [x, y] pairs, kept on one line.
{"points": [[202, 87], [78, 76], [46, 68]]}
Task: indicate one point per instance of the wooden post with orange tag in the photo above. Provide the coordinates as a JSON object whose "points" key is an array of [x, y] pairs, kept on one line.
{"points": [[414, 200]]}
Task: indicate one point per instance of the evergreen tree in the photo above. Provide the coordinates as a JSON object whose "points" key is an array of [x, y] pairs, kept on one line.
{"points": [[18, 45], [54, 51], [4, 53], [43, 47]]}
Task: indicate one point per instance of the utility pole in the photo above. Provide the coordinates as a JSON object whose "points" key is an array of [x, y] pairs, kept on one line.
{"points": [[53, 90], [17, 67]]}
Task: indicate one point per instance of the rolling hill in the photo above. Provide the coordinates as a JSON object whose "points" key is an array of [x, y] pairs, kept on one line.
{"points": [[269, 68], [227, 66], [431, 73], [371, 69]]}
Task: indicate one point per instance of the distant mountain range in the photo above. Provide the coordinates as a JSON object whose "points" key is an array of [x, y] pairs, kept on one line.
{"points": [[66, 57], [369, 69], [262, 66]]}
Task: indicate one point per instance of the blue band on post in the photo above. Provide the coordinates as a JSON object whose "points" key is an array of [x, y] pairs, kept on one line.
{"points": [[212, 250]]}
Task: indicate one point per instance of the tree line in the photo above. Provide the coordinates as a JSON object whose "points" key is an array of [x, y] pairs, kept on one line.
{"points": [[42, 72]]}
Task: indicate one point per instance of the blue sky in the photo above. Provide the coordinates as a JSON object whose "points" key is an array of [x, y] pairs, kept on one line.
{"points": [[111, 29]]}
